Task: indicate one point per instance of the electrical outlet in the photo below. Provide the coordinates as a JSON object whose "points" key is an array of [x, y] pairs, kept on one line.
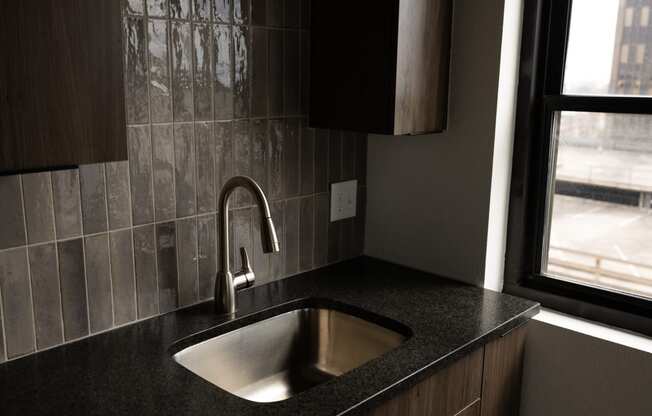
{"points": [[344, 198]]}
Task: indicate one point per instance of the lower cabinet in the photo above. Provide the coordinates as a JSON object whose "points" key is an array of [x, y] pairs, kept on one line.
{"points": [[486, 382]]}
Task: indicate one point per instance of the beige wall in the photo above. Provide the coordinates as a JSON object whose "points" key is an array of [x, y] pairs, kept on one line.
{"points": [[428, 196], [571, 374]]}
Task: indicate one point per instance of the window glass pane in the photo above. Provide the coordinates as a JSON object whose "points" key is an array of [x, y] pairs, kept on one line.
{"points": [[609, 48], [599, 222]]}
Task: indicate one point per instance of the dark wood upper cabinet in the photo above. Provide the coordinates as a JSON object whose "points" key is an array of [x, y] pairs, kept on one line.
{"points": [[380, 66], [61, 84]]}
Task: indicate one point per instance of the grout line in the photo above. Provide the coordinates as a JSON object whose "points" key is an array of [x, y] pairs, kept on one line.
{"points": [[81, 216], [5, 355], [29, 270], [56, 254], [108, 243]]}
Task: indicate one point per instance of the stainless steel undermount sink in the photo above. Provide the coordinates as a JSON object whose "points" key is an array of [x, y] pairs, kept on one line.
{"points": [[275, 358]]}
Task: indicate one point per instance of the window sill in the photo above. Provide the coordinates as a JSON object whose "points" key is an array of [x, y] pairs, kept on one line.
{"points": [[595, 330]]}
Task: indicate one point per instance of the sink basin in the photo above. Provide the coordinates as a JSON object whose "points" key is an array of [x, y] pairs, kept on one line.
{"points": [[276, 358]]}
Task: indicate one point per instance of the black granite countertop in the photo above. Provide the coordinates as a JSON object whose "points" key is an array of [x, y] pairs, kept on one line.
{"points": [[130, 371]]}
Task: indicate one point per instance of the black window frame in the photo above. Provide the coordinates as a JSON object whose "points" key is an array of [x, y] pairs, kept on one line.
{"points": [[540, 95]]}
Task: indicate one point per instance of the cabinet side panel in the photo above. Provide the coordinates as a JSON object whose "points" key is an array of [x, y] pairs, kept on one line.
{"points": [[503, 368], [422, 69]]}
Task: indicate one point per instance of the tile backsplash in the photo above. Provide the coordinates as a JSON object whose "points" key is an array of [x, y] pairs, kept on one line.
{"points": [[214, 88]]}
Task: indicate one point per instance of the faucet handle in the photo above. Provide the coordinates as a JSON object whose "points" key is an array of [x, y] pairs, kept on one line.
{"points": [[246, 265]]}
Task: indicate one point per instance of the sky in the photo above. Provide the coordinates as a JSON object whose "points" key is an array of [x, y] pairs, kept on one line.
{"points": [[591, 45]]}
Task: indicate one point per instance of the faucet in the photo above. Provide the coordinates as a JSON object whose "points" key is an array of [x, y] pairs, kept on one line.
{"points": [[226, 283]]}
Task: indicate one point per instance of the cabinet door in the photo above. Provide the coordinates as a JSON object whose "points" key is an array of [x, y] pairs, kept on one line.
{"points": [[503, 366], [473, 410], [445, 393], [61, 83]]}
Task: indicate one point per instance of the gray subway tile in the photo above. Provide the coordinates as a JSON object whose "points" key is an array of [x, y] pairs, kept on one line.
{"points": [[201, 10], [205, 167], [17, 302], [180, 9], [73, 289], [39, 212], [242, 160], [307, 159], [159, 69], [3, 356], [223, 154], [259, 260], [276, 13], [166, 249], [241, 70], [291, 162], [307, 234], [185, 169], [222, 11], [322, 160], [242, 235], [136, 99], [322, 221], [93, 198], [277, 260], [203, 93], [276, 74], [135, 7], [163, 166], [118, 198], [12, 232], [293, 13], [361, 158], [259, 12], [275, 158], [67, 204], [208, 262], [292, 215], [122, 277], [140, 166], [46, 294], [292, 69], [187, 261], [98, 279], [335, 156], [241, 10], [223, 99], [259, 143], [334, 241], [157, 8], [259, 72], [145, 271], [181, 49], [349, 149]]}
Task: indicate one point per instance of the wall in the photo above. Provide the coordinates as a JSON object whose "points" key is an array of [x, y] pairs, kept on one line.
{"points": [[211, 92], [428, 196], [567, 374]]}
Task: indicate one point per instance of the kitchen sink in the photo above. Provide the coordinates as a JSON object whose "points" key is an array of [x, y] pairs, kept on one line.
{"points": [[278, 357]]}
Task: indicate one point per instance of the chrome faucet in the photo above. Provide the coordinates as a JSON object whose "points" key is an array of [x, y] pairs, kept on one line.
{"points": [[226, 283]]}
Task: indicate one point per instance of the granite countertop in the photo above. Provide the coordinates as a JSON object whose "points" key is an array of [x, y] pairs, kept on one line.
{"points": [[130, 371]]}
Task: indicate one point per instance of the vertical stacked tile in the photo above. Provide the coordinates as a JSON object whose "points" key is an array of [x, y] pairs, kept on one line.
{"points": [[213, 89]]}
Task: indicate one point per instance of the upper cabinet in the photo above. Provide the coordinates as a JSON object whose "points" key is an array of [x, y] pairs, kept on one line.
{"points": [[61, 84], [380, 66]]}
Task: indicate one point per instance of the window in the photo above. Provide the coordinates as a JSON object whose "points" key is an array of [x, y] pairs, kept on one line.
{"points": [[645, 16], [580, 220], [629, 16], [640, 54]]}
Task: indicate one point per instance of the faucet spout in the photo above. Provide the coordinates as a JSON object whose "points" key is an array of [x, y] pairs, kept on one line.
{"points": [[226, 283]]}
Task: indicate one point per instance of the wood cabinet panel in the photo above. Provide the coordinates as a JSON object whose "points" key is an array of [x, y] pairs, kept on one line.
{"points": [[503, 368], [61, 83], [444, 394], [380, 67], [472, 410]]}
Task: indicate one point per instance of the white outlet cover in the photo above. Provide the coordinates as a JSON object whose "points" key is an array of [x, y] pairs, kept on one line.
{"points": [[344, 198]]}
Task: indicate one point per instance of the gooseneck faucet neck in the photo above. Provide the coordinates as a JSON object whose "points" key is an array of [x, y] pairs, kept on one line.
{"points": [[226, 283]]}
